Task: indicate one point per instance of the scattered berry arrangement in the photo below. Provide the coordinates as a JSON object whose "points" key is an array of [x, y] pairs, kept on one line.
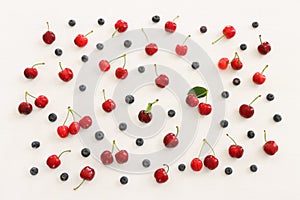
{"points": [[194, 99]]}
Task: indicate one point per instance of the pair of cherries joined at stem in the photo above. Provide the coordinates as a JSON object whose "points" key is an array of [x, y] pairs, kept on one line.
{"points": [[120, 73], [192, 100], [236, 63], [121, 156], [85, 122], [25, 107]]}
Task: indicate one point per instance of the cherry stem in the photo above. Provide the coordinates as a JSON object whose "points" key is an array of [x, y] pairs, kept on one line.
{"points": [[201, 150], [155, 67], [206, 96], [260, 39], [149, 107], [75, 188], [66, 117], [28, 94], [236, 55], [265, 135], [177, 130], [63, 153], [254, 99], [231, 139], [187, 37], [73, 111], [41, 63], [264, 69], [205, 141], [145, 35], [217, 40], [104, 97], [168, 168], [60, 66], [88, 33], [124, 55], [114, 145], [48, 27], [114, 33], [176, 17]]}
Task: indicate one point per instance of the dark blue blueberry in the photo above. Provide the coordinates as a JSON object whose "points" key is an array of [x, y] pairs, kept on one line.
{"points": [[101, 21], [72, 22], [236, 81], [123, 180], [195, 65], [141, 69], [64, 176], [171, 113], [122, 126], [58, 52], [270, 97], [99, 135], [243, 47], [223, 123], [155, 18], [255, 24], [84, 58], [203, 29], [250, 134], [35, 144], [139, 142], [85, 152], [129, 99], [253, 168], [52, 117], [277, 118], [181, 167], [127, 43], [146, 163], [34, 171], [99, 46], [225, 94], [82, 88], [228, 170]]}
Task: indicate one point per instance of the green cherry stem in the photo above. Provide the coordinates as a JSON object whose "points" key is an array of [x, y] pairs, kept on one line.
{"points": [[104, 96], [88, 33], [41, 63], [155, 67], [217, 40], [167, 166], [177, 130], [114, 145], [265, 135], [149, 107], [28, 94], [60, 66], [124, 55], [260, 39], [145, 35], [68, 113], [264, 69], [231, 139], [236, 55], [176, 17], [75, 188], [63, 153], [187, 37], [205, 141], [201, 150], [254, 99], [73, 112], [114, 33], [48, 27]]}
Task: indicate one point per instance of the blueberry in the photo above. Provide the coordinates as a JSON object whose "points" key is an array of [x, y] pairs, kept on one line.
{"points": [[64, 176], [99, 135], [82, 88], [270, 97], [228, 170], [225, 94], [141, 69], [223, 123], [255, 24], [84, 58], [52, 117], [146, 163], [250, 134], [34, 171], [277, 118], [139, 142], [58, 52], [253, 168], [203, 29], [71, 22], [101, 21], [171, 113], [123, 180], [236, 81], [122, 126], [85, 152], [181, 167], [35, 144], [129, 99], [99, 46], [127, 43], [195, 65], [155, 18], [243, 47]]}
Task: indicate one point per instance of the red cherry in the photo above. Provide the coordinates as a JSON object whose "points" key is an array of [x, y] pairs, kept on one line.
{"points": [[161, 80], [270, 147], [25, 108], [235, 151], [247, 111], [145, 116], [53, 161], [264, 47], [32, 72], [108, 105], [74, 128], [41, 101], [49, 36], [192, 100], [181, 49], [171, 140], [211, 162], [196, 164], [161, 175], [65, 74], [87, 174], [106, 157], [228, 32], [171, 26], [121, 156], [121, 72], [85, 122], [259, 78], [204, 108], [151, 48], [236, 63], [104, 65], [223, 63], [120, 26], [82, 40], [63, 131]]}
